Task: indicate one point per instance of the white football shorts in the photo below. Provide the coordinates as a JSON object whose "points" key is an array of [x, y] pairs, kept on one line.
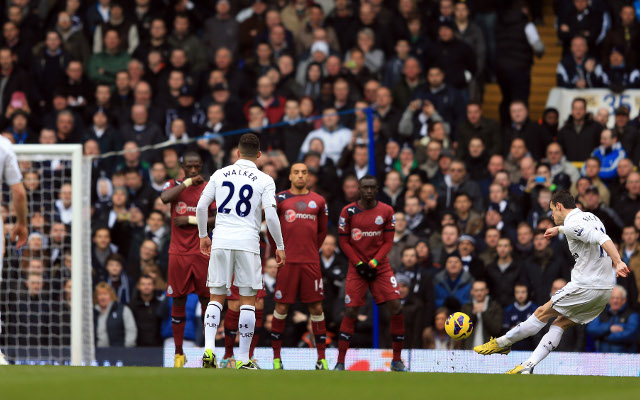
{"points": [[580, 305], [226, 264]]}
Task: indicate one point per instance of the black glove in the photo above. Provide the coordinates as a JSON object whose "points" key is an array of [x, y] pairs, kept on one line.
{"points": [[365, 271]]}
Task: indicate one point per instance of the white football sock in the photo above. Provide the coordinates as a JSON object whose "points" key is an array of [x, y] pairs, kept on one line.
{"points": [[522, 331], [246, 325], [548, 343], [211, 322]]}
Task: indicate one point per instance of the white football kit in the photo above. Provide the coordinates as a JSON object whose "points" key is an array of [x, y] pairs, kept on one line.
{"points": [[592, 277], [240, 192]]}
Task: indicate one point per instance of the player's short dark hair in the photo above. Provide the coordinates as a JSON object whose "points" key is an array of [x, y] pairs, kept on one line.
{"points": [[249, 145], [190, 153], [367, 177], [565, 198]]}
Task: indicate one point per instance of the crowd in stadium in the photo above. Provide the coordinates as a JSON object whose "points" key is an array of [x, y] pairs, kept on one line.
{"points": [[471, 194]]}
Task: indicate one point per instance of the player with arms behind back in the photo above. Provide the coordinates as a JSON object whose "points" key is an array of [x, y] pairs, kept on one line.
{"points": [[11, 176], [187, 265], [582, 299], [240, 191], [366, 231], [303, 218]]}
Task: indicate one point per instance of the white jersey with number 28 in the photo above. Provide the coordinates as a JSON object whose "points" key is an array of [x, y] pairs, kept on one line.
{"points": [[240, 191], [586, 234]]}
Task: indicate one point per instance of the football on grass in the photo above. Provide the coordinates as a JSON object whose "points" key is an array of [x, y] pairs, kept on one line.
{"points": [[458, 326]]}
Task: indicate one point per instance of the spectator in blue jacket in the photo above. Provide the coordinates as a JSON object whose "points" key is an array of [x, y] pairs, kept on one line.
{"points": [[610, 153], [616, 329], [453, 285], [519, 311]]}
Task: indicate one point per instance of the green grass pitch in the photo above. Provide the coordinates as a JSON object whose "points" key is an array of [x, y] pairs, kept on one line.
{"points": [[96, 383]]}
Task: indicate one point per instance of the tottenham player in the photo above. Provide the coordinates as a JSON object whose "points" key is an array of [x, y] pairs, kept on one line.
{"points": [[11, 176], [240, 191], [187, 266], [366, 230], [303, 218], [582, 299]]}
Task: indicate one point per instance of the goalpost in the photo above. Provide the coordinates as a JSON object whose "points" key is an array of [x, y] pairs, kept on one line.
{"points": [[40, 324]]}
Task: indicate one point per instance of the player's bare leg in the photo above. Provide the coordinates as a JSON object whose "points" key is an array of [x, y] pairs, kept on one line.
{"points": [[211, 323], [397, 334], [258, 329], [178, 320], [277, 330], [523, 330], [246, 327], [320, 333], [230, 333], [347, 327], [547, 344]]}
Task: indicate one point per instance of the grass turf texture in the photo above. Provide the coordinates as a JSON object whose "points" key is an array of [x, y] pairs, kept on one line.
{"points": [[96, 383]]}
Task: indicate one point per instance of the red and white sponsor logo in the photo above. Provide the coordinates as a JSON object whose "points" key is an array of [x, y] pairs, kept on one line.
{"points": [[182, 207], [357, 234], [291, 215]]}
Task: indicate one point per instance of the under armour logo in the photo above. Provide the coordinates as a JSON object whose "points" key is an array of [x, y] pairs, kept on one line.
{"points": [[246, 326]]}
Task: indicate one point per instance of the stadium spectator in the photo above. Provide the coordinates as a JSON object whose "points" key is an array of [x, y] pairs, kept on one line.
{"points": [[410, 81], [142, 131], [502, 275], [485, 313], [610, 153], [402, 239], [145, 307], [518, 312], [458, 182], [629, 203], [584, 21], [434, 337], [193, 47], [616, 329], [117, 278], [592, 173], [333, 136], [617, 74], [517, 41], [470, 261], [627, 133], [114, 323], [578, 69], [489, 255], [103, 66], [580, 134], [535, 138], [452, 285], [476, 125], [334, 272]]}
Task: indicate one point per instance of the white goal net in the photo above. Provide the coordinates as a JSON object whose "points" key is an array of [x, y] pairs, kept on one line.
{"points": [[46, 303]]}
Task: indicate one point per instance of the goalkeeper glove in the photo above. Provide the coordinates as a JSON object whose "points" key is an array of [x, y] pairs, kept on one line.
{"points": [[365, 271], [373, 263]]}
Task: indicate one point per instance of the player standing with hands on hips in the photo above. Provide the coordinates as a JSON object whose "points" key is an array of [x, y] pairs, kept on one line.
{"points": [[366, 229], [11, 176], [240, 192], [303, 217], [582, 299]]}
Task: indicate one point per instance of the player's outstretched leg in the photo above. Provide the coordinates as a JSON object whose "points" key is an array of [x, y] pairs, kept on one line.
{"points": [[523, 330], [178, 320], [547, 344], [319, 330], [347, 327], [397, 335], [230, 333], [211, 322], [278, 324]]}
